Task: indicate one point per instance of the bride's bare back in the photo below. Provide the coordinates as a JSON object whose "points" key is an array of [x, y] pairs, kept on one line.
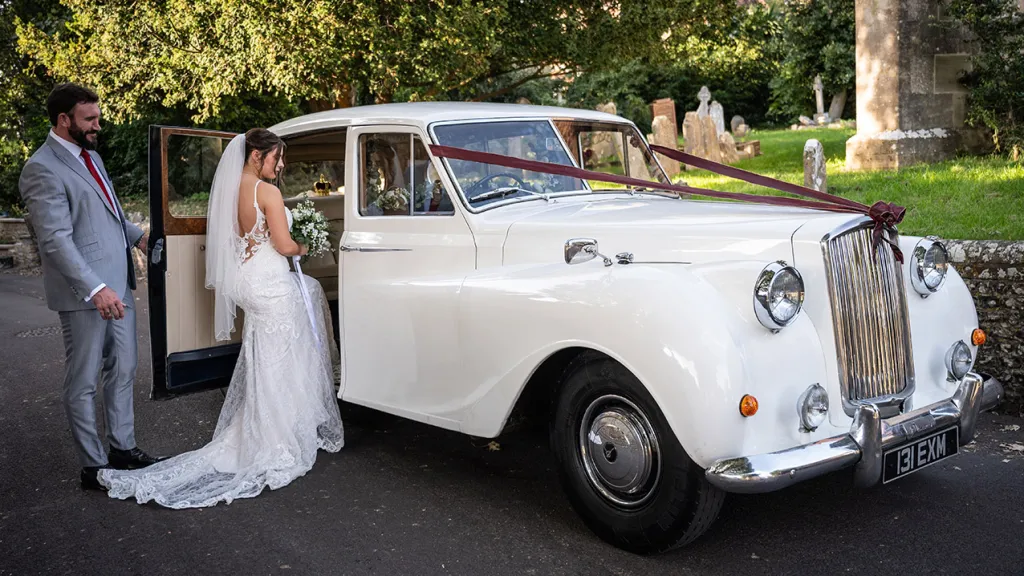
{"points": [[270, 202]]}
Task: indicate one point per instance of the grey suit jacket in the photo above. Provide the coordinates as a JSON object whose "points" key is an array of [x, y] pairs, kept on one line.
{"points": [[80, 238]]}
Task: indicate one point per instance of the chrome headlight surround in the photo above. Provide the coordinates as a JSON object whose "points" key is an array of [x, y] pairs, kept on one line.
{"points": [[929, 266], [959, 361], [778, 295]]}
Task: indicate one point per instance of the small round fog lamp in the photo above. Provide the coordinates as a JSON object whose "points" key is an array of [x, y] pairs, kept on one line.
{"points": [[812, 407], [959, 360]]}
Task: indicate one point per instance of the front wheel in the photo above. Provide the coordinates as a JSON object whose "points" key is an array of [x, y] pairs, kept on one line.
{"points": [[623, 469]]}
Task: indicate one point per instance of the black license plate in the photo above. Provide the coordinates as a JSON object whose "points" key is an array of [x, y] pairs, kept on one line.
{"points": [[922, 452]]}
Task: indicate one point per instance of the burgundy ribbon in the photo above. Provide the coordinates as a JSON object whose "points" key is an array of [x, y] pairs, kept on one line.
{"points": [[883, 214]]}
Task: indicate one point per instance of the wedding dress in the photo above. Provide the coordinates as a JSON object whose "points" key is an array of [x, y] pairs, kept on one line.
{"points": [[280, 406]]}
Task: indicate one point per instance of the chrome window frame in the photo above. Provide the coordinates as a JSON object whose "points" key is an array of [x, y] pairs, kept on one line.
{"points": [[565, 147]]}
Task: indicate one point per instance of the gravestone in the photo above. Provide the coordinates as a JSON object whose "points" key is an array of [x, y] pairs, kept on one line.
{"points": [[910, 107], [665, 135], [741, 131], [718, 115], [710, 142], [693, 135], [819, 100], [736, 122], [728, 147], [748, 149], [814, 166], [835, 109], [665, 107], [604, 144], [704, 96]]}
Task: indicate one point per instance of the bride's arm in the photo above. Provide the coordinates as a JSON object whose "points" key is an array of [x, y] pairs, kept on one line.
{"points": [[273, 206]]}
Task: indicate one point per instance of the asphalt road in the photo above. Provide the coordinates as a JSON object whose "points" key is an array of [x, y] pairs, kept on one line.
{"points": [[405, 498]]}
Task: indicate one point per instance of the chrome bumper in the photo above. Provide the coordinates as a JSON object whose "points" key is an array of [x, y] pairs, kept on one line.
{"points": [[862, 448]]}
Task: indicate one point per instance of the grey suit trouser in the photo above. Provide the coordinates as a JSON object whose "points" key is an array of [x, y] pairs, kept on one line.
{"points": [[93, 345]]}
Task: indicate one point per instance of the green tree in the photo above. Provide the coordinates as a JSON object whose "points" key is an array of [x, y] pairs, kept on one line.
{"points": [[734, 58], [328, 53], [818, 37], [996, 81], [23, 90]]}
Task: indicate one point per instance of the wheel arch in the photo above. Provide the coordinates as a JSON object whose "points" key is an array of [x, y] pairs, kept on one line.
{"points": [[531, 412], [532, 408]]}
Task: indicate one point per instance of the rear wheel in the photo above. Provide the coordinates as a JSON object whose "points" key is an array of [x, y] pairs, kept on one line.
{"points": [[623, 469]]}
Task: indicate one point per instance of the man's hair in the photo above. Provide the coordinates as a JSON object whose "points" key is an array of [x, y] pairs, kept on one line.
{"points": [[64, 97]]}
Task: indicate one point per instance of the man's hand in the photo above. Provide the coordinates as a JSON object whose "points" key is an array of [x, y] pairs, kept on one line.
{"points": [[108, 304], [143, 242]]}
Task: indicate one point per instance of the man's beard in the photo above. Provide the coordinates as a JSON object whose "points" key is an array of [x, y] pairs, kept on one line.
{"points": [[80, 137]]}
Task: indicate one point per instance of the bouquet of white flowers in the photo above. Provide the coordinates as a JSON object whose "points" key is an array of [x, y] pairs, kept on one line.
{"points": [[309, 227]]}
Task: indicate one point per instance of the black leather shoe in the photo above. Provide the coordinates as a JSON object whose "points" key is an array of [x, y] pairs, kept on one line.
{"points": [[131, 459], [89, 480]]}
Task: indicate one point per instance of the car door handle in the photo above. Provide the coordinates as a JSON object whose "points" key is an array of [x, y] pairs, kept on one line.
{"points": [[158, 251], [373, 249]]}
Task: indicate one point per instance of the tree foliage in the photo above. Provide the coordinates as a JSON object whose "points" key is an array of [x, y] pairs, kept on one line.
{"points": [[327, 53], [996, 81], [735, 59], [818, 37], [23, 90]]}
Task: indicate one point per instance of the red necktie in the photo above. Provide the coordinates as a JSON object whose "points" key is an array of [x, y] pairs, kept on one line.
{"points": [[96, 175]]}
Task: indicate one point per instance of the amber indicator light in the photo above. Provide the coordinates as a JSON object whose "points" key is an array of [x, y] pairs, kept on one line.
{"points": [[978, 337], [748, 405]]}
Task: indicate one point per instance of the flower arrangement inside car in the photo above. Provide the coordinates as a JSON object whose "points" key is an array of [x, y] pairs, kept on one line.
{"points": [[309, 228], [395, 200]]}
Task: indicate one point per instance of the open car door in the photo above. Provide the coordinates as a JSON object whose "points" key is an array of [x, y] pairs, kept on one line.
{"points": [[186, 356]]}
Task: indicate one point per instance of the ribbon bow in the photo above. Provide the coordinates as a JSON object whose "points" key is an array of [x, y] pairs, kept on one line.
{"points": [[886, 215]]}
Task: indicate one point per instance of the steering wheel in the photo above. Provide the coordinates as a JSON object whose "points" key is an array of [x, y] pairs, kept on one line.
{"points": [[486, 179]]}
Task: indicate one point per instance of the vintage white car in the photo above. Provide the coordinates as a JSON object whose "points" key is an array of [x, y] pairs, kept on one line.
{"points": [[677, 349]]}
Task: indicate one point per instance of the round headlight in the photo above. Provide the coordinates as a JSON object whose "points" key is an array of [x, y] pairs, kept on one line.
{"points": [[778, 295], [931, 261], [812, 407], [959, 360]]}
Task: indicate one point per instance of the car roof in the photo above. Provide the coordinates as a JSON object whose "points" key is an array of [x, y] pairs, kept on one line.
{"points": [[423, 114]]}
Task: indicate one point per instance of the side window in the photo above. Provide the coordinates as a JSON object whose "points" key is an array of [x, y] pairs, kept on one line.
{"points": [[397, 178], [192, 162], [610, 149], [314, 165]]}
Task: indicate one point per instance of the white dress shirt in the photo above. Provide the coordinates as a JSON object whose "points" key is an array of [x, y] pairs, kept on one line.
{"points": [[76, 151]]}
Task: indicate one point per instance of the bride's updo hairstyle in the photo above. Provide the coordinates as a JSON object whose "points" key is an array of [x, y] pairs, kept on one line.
{"points": [[262, 141]]}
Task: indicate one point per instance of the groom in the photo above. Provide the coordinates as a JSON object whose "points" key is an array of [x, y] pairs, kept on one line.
{"points": [[85, 245]]}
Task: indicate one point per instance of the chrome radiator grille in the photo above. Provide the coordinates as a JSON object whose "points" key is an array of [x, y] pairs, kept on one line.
{"points": [[869, 315]]}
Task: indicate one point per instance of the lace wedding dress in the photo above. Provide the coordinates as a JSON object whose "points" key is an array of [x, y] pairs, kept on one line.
{"points": [[280, 406]]}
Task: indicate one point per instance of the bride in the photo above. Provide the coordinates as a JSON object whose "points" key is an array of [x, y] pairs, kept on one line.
{"points": [[280, 406]]}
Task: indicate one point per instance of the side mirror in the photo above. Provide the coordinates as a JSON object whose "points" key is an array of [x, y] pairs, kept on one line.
{"points": [[580, 250]]}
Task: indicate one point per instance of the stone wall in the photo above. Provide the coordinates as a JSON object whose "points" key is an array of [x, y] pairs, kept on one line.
{"points": [[12, 229], [994, 272]]}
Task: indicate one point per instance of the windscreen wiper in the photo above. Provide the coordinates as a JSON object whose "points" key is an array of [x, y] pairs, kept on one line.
{"points": [[505, 191]]}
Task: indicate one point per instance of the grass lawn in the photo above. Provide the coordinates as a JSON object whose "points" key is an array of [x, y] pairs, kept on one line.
{"points": [[967, 198]]}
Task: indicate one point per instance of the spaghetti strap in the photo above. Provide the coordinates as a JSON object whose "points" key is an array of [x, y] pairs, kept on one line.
{"points": [[254, 188]]}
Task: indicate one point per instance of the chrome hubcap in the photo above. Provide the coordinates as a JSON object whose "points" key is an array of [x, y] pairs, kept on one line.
{"points": [[619, 450]]}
